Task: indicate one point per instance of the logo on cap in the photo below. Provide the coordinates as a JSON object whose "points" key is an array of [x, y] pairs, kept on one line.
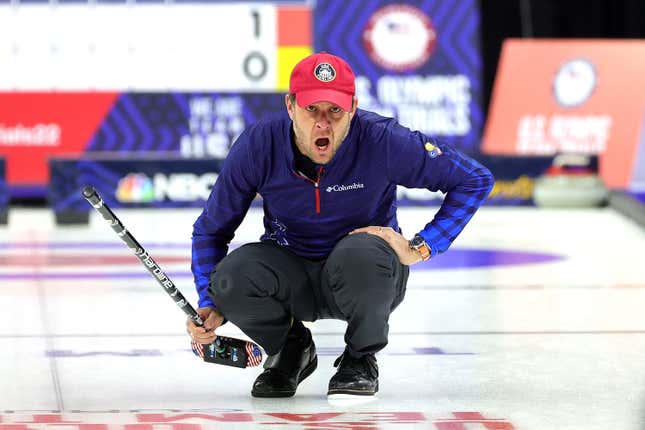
{"points": [[325, 72]]}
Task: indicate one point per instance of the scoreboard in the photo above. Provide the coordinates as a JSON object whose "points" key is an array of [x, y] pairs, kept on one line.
{"points": [[202, 46]]}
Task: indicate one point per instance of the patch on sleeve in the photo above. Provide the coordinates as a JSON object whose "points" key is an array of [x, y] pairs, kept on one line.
{"points": [[433, 151]]}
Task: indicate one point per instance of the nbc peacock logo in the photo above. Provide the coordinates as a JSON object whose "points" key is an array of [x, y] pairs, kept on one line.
{"points": [[135, 188]]}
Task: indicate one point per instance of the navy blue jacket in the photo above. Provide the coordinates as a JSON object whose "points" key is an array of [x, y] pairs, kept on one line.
{"points": [[356, 188]]}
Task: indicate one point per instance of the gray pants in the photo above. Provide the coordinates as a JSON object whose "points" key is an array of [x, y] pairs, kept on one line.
{"points": [[260, 286]]}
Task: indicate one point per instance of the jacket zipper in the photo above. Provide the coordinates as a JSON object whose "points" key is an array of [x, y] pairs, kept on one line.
{"points": [[317, 189], [316, 185]]}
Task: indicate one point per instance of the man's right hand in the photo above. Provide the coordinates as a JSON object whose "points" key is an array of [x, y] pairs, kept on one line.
{"points": [[206, 334]]}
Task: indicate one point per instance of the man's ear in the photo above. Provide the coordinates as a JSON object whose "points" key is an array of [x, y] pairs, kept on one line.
{"points": [[290, 107], [354, 106]]}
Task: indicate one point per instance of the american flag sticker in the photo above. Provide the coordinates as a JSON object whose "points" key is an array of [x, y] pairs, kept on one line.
{"points": [[253, 354], [198, 349]]}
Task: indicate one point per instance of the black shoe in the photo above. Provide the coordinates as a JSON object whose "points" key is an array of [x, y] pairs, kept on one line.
{"points": [[357, 376], [289, 367]]}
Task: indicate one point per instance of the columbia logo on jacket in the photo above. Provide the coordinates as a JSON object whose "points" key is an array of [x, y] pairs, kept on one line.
{"points": [[337, 188]]}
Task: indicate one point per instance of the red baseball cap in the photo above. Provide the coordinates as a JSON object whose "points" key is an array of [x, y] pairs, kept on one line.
{"points": [[323, 77]]}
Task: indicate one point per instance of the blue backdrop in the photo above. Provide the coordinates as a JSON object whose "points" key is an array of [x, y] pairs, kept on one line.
{"points": [[441, 95]]}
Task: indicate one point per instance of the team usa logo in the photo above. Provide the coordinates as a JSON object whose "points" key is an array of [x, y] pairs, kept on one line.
{"points": [[574, 82], [399, 37], [325, 72]]}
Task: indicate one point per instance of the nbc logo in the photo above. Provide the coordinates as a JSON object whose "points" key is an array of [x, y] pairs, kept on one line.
{"points": [[161, 187], [135, 188]]}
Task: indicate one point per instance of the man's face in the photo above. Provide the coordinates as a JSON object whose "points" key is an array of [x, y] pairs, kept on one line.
{"points": [[320, 128]]}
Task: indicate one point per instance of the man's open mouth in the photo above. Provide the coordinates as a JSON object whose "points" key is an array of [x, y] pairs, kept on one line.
{"points": [[322, 143]]}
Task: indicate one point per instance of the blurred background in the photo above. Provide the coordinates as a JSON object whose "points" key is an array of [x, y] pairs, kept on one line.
{"points": [[143, 99]]}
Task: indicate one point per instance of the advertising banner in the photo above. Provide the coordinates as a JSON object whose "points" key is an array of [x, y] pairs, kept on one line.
{"points": [[150, 182], [135, 183], [572, 96], [515, 179], [37, 126], [418, 61]]}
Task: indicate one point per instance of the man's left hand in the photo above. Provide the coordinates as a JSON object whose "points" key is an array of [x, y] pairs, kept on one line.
{"points": [[399, 244]]}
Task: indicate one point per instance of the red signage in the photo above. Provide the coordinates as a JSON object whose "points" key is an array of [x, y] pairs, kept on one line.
{"points": [[36, 125], [573, 96]]}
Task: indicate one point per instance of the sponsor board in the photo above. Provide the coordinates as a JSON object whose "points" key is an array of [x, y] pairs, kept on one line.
{"points": [[37, 126], [581, 97], [177, 182], [146, 182]]}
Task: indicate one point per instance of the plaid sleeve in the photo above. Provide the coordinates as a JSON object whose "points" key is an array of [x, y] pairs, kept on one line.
{"points": [[224, 211], [418, 162]]}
